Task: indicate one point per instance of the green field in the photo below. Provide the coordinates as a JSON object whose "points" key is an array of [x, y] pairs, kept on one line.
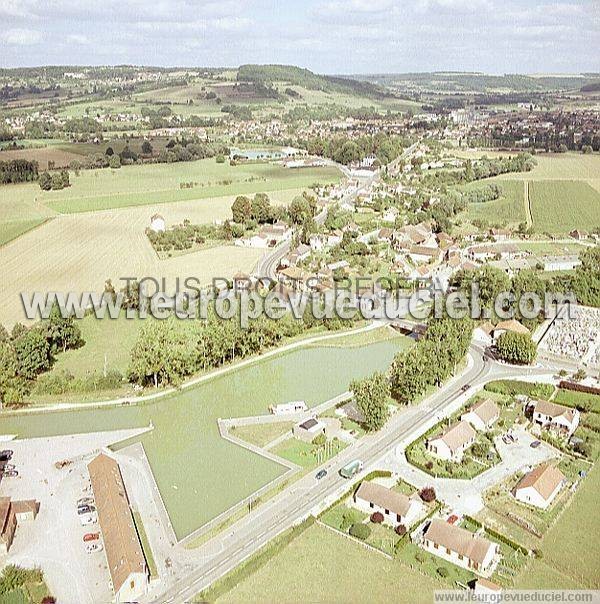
{"points": [[160, 183], [567, 166], [571, 548], [18, 215], [321, 566], [559, 206], [508, 210], [261, 434]]}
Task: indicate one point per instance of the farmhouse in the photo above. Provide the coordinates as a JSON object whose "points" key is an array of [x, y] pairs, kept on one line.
{"points": [[482, 415], [511, 325], [157, 224], [309, 429], [12, 514], [540, 486], [561, 419], [396, 508], [460, 547], [126, 562], [452, 444]]}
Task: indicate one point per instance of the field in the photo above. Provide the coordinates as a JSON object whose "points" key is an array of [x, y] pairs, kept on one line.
{"points": [[321, 566], [508, 210], [161, 183], [78, 252], [60, 157], [560, 206], [571, 549]]}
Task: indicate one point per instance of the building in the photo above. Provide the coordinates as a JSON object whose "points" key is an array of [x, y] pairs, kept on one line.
{"points": [[461, 547], [396, 508], [122, 547], [421, 253], [309, 429], [157, 224], [561, 419], [12, 514], [485, 587], [483, 333], [482, 415], [511, 325], [540, 486], [452, 444], [292, 407]]}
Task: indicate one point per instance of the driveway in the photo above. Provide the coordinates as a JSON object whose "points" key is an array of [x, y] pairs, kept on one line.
{"points": [[465, 496]]}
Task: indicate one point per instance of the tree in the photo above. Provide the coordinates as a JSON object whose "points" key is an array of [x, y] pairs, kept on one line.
{"points": [[360, 531], [427, 494], [62, 332], [147, 148], [45, 181], [319, 440], [109, 151], [114, 162], [371, 395], [241, 209], [57, 182], [33, 354], [300, 209], [11, 386], [376, 518], [64, 176], [261, 208], [400, 530], [516, 348]]}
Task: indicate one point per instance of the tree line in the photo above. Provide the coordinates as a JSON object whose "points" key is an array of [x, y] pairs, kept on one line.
{"points": [[18, 170]]}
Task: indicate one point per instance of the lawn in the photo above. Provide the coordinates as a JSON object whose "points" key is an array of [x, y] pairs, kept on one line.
{"points": [[382, 334], [321, 566], [571, 548], [19, 214], [261, 434], [567, 166], [560, 206], [508, 210], [307, 455], [571, 398], [161, 183], [139, 525]]}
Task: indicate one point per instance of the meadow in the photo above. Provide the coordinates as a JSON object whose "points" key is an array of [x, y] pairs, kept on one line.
{"points": [[509, 209], [161, 183], [321, 566]]}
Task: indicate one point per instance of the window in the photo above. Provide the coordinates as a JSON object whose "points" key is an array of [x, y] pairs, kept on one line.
{"points": [[460, 557], [387, 512], [371, 504], [448, 551]]}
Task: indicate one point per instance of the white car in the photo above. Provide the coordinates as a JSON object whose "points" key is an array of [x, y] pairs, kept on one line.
{"points": [[93, 547], [88, 519]]}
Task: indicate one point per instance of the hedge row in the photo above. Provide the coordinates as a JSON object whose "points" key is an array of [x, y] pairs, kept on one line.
{"points": [[578, 387], [498, 536], [515, 387]]}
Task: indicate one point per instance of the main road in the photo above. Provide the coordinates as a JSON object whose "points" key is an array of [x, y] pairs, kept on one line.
{"points": [[230, 548]]}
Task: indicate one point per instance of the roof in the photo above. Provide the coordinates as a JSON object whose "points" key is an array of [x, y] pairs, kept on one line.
{"points": [[25, 506], [294, 273], [458, 435], [385, 498], [422, 250], [512, 325], [486, 410], [121, 543], [353, 412], [486, 327], [458, 540], [156, 217], [544, 479], [487, 584], [309, 423], [554, 410]]}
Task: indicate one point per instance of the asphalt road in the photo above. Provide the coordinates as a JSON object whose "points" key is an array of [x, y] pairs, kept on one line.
{"points": [[228, 549]]}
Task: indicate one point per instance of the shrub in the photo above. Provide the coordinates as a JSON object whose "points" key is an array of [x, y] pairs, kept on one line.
{"points": [[376, 517], [442, 571], [400, 530], [420, 557], [360, 531], [427, 494]]}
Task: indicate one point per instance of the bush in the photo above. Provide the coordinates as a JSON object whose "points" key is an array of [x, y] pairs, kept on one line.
{"points": [[376, 517], [400, 530], [516, 348], [420, 557], [427, 494], [360, 531], [442, 571]]}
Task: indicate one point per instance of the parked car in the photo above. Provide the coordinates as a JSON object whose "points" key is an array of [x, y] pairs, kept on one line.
{"points": [[6, 454], [321, 474], [535, 444], [7, 467], [93, 547], [88, 519], [506, 440], [91, 536], [9, 473], [452, 519], [85, 509], [85, 501]]}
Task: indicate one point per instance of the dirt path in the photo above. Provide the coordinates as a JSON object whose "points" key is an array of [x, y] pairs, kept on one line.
{"points": [[528, 211]]}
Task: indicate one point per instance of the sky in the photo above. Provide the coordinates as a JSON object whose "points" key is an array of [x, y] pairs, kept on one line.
{"points": [[327, 36]]}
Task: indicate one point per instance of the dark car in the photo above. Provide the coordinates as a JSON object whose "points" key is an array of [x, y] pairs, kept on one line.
{"points": [[85, 509], [535, 444], [6, 455], [465, 387], [321, 474], [10, 473]]}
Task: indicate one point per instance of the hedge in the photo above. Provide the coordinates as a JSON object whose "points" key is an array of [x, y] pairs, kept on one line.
{"points": [[515, 387], [578, 387], [498, 536]]}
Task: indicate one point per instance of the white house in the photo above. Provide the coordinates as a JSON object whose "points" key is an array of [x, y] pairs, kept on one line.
{"points": [[157, 224], [540, 486], [390, 214], [309, 429], [483, 333], [461, 547], [482, 415], [559, 418], [452, 444], [396, 508]]}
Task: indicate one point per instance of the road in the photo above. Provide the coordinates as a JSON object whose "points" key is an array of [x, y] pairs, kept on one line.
{"points": [[230, 548]]}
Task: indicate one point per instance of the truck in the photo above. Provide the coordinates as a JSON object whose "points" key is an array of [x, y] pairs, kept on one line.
{"points": [[351, 469]]}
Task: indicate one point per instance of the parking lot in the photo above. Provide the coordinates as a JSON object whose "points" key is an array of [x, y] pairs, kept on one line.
{"points": [[54, 540]]}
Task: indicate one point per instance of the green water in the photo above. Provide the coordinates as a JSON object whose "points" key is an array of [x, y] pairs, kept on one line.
{"points": [[199, 474]]}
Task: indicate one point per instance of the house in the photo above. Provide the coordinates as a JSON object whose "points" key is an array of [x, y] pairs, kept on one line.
{"points": [[561, 263], [396, 508], [309, 429], [294, 277], [291, 407], [558, 418], [302, 252], [421, 253], [390, 214], [124, 555], [540, 486], [485, 587], [483, 333], [351, 411], [579, 235], [241, 282], [482, 415], [385, 235], [511, 325], [12, 514], [500, 234], [452, 444], [157, 224], [461, 547]]}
